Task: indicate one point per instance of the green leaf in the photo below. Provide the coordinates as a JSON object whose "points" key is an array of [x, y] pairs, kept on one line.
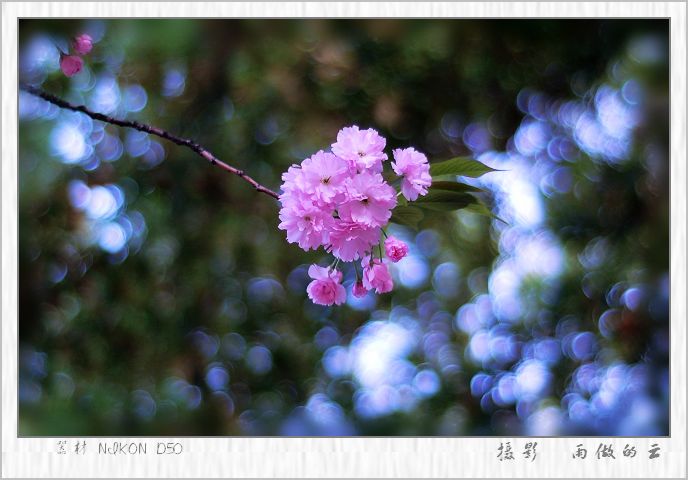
{"points": [[409, 216], [442, 206], [454, 187], [445, 196], [445, 200], [463, 166], [481, 209]]}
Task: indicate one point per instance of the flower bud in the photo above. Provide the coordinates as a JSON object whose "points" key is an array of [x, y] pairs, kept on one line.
{"points": [[83, 44], [71, 64]]}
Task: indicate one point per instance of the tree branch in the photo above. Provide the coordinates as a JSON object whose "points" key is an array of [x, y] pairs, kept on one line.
{"points": [[203, 152]]}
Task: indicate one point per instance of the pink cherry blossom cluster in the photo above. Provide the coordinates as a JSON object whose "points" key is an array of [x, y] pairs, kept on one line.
{"points": [[72, 64], [340, 201]]}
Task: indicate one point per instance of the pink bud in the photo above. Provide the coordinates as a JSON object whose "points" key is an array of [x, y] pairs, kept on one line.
{"points": [[359, 290], [83, 44], [71, 64], [395, 249]]}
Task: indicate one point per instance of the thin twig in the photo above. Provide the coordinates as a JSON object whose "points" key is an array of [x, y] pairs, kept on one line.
{"points": [[203, 152]]}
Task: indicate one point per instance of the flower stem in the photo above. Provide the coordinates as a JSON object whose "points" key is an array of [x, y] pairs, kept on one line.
{"points": [[370, 257]]}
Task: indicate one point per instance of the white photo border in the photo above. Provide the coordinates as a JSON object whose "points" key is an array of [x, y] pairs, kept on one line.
{"points": [[421, 457]]}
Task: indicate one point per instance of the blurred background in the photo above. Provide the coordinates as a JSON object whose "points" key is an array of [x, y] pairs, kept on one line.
{"points": [[158, 297]]}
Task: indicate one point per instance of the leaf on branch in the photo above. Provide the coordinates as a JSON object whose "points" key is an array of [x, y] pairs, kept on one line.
{"points": [[408, 216], [463, 166], [445, 200], [481, 209], [448, 196], [454, 187]]}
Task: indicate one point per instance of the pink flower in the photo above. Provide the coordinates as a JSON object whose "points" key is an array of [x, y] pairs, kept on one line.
{"points": [[71, 64], [350, 240], [370, 200], [376, 275], [362, 149], [415, 169], [339, 200], [395, 249], [323, 175], [325, 289], [307, 225], [83, 44], [359, 290], [295, 184]]}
